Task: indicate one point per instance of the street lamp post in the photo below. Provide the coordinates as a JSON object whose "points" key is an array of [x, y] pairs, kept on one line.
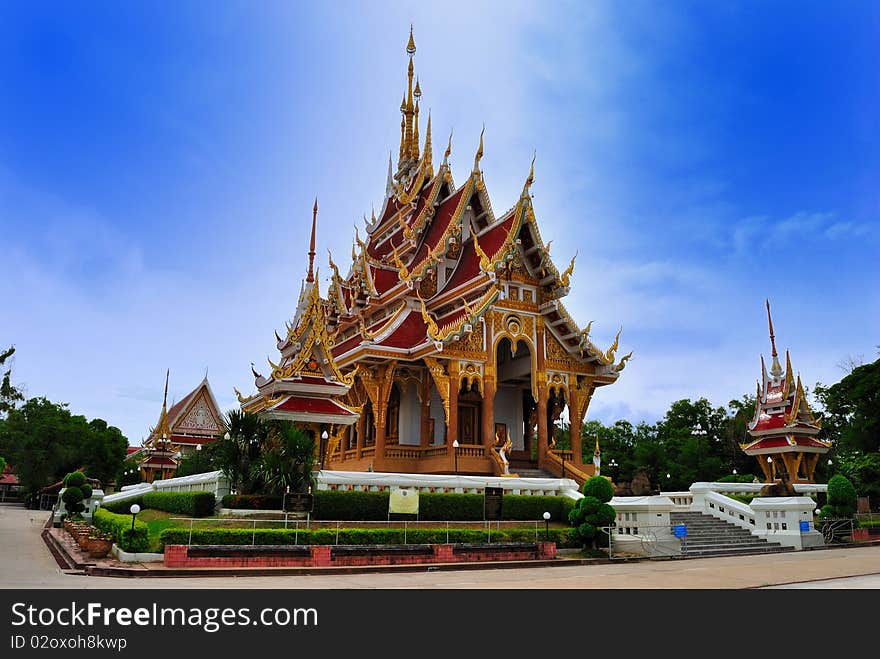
{"points": [[546, 525], [135, 509], [324, 436], [455, 454]]}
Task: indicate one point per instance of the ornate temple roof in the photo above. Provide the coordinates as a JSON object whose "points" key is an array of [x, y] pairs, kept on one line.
{"points": [[434, 259], [306, 379], [783, 419]]}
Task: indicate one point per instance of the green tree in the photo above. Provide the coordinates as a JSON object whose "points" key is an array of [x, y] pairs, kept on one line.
{"points": [[852, 410], [842, 498], [9, 394], [2, 464], [239, 455], [45, 441], [289, 459], [592, 513], [198, 461]]}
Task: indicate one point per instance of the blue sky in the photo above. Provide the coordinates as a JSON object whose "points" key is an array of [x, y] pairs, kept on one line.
{"points": [[158, 163]]}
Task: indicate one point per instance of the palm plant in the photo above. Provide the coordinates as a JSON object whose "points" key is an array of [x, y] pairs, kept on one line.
{"points": [[239, 453], [289, 459]]}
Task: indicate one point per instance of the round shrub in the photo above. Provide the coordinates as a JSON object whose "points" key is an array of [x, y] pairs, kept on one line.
{"points": [[599, 488], [73, 498], [842, 499], [86, 490], [74, 479]]}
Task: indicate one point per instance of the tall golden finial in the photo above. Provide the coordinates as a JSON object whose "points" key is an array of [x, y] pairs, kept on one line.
{"points": [[448, 151], [775, 367], [311, 276], [429, 148], [596, 451], [411, 44], [414, 145], [479, 154], [165, 395]]}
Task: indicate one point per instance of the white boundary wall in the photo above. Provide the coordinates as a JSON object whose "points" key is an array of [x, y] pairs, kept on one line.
{"points": [[370, 481], [212, 481]]}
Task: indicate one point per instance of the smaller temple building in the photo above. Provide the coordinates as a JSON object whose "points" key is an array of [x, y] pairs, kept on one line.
{"points": [[784, 431], [190, 423]]}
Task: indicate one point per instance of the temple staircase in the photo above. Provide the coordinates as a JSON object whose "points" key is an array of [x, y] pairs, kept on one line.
{"points": [[709, 536]]}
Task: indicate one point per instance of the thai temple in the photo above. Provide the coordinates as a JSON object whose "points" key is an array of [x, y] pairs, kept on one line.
{"points": [[445, 347], [192, 422], [784, 432]]}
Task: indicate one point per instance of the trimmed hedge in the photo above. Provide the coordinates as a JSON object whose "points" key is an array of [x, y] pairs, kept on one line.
{"points": [[178, 536], [119, 526], [364, 506], [191, 504], [253, 501]]}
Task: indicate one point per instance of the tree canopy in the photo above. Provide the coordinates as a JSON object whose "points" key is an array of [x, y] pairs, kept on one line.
{"points": [[44, 441]]}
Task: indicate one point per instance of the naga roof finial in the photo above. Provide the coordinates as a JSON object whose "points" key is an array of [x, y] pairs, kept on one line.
{"points": [[448, 151], [311, 276], [565, 277], [531, 177], [479, 154]]}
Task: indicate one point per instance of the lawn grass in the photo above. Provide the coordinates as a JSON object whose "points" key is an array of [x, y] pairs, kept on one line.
{"points": [[156, 521]]}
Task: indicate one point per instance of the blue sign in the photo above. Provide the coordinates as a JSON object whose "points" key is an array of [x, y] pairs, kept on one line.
{"points": [[805, 526], [680, 530]]}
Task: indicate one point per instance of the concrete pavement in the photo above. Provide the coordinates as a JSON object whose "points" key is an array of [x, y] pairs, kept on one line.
{"points": [[25, 562]]}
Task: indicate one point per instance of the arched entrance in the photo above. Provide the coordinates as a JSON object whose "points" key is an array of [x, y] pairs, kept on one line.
{"points": [[514, 406]]}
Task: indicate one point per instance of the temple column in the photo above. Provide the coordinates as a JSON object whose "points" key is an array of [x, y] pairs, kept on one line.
{"points": [[488, 421], [541, 376], [452, 419], [360, 425], [425, 424], [542, 423], [574, 428]]}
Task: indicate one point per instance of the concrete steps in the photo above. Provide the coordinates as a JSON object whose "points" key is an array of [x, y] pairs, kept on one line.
{"points": [[708, 536]]}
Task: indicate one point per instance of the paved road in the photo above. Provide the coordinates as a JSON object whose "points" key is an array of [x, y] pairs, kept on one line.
{"points": [[26, 563]]}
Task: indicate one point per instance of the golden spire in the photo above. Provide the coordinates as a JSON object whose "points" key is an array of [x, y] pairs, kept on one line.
{"points": [[775, 367], [429, 148], [311, 276], [479, 154], [414, 145], [411, 45]]}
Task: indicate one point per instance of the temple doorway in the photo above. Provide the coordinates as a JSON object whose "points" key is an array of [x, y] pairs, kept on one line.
{"points": [[514, 403]]}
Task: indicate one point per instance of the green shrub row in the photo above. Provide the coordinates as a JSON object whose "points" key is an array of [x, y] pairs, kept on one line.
{"points": [[253, 501], [178, 536], [119, 526], [191, 504], [363, 506]]}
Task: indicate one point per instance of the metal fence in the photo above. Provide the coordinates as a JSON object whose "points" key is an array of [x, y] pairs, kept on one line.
{"points": [[193, 523], [657, 541]]}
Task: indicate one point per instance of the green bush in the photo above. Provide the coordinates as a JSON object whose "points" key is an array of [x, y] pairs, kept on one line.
{"points": [[86, 490], [351, 506], [842, 498], [74, 479], [123, 507], [591, 513], [119, 526], [179, 536], [253, 501], [73, 499], [191, 504]]}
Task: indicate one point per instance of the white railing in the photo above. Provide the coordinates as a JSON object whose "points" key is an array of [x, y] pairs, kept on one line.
{"points": [[212, 481], [370, 481], [679, 499], [776, 519]]}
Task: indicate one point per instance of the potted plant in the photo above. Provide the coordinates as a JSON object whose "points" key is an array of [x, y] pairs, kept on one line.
{"points": [[99, 545]]}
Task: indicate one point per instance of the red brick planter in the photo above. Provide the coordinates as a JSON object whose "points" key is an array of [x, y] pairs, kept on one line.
{"points": [[179, 556]]}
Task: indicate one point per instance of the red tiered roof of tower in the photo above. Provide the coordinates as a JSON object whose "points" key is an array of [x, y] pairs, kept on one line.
{"points": [[303, 385], [783, 420]]}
